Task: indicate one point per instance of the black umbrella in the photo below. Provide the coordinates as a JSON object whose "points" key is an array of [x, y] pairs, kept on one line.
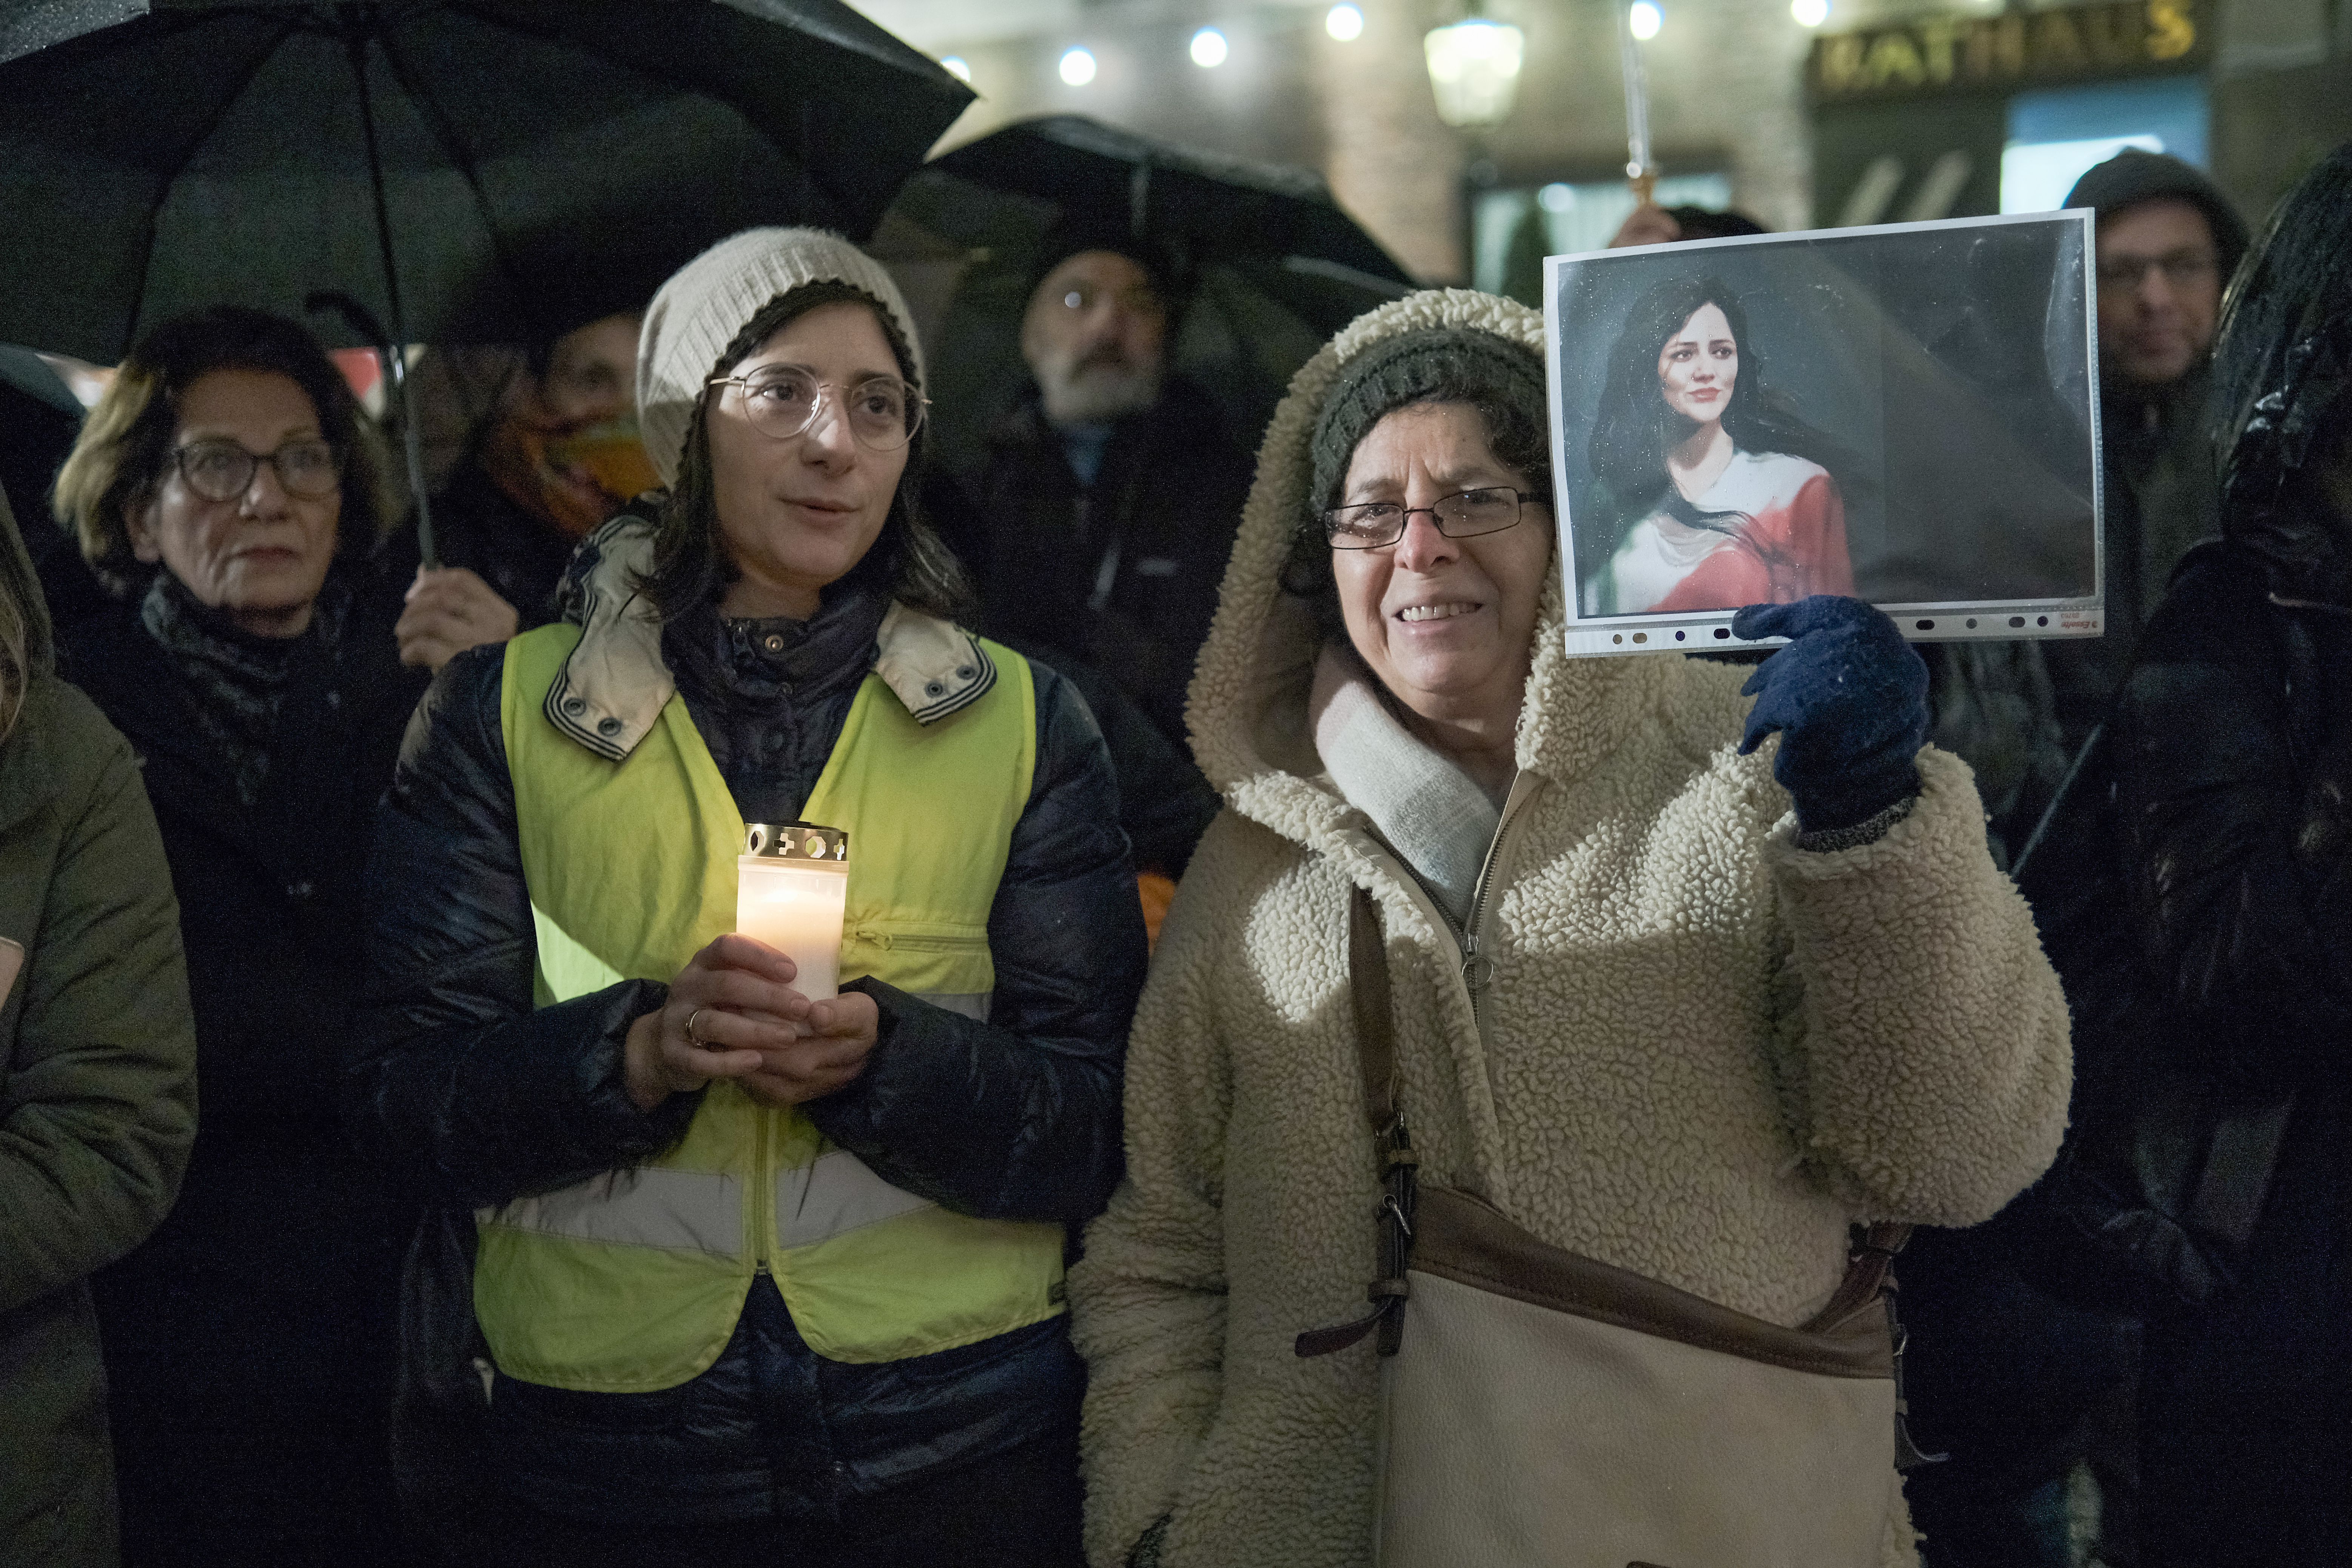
{"points": [[1196, 205], [488, 170], [1271, 264]]}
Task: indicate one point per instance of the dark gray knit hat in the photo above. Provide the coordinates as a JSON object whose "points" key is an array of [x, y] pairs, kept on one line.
{"points": [[1437, 364]]}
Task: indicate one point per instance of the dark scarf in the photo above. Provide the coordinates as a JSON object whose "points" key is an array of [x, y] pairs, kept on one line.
{"points": [[237, 683]]}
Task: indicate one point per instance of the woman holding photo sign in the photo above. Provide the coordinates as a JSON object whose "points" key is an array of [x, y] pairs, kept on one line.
{"points": [[1504, 974], [1724, 495], [766, 1272]]}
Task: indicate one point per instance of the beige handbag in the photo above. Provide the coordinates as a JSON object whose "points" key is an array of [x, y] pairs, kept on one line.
{"points": [[1541, 1409]]}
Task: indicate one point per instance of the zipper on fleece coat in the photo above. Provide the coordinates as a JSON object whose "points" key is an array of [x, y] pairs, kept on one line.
{"points": [[1478, 971]]}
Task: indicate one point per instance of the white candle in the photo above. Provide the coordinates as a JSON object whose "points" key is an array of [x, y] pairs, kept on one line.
{"points": [[790, 892]]}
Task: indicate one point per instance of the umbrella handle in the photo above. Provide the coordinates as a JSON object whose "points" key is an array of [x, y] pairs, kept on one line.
{"points": [[363, 323]]}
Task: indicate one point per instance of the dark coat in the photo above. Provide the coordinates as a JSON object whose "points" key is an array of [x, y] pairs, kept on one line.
{"points": [[97, 1087], [483, 1098], [2232, 786], [249, 1339], [1123, 574]]}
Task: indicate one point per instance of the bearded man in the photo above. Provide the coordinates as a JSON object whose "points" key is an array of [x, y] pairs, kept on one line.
{"points": [[1100, 524]]}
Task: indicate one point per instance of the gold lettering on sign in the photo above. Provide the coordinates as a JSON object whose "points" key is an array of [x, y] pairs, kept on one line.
{"points": [[2171, 33], [2117, 35], [1893, 59], [2120, 37], [1997, 48], [1938, 35], [1842, 63], [2057, 46]]}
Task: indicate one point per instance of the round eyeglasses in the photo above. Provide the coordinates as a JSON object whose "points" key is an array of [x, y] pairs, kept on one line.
{"points": [[882, 412], [224, 471], [1462, 515]]}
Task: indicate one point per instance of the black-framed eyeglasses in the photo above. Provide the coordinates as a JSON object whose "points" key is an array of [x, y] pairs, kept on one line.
{"points": [[224, 471], [882, 411], [2180, 268], [1462, 515]]}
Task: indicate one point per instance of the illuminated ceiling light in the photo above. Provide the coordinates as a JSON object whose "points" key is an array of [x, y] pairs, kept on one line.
{"points": [[1644, 19], [1077, 67], [1474, 68], [956, 66], [1209, 49], [1344, 23], [1810, 12]]}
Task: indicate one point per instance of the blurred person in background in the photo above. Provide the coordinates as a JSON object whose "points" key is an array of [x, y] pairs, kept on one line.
{"points": [[759, 1278], [2168, 241], [559, 455], [97, 1058], [1097, 529], [228, 490], [1100, 523]]}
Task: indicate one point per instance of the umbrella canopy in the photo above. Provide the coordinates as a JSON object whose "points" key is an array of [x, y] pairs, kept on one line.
{"points": [[532, 163], [1196, 206], [1269, 263]]}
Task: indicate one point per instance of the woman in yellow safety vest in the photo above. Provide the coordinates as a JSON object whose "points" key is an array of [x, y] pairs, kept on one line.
{"points": [[758, 1278]]}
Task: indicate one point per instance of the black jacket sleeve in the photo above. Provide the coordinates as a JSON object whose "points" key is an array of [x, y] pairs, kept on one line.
{"points": [[1019, 1118], [2233, 808], [454, 1080]]}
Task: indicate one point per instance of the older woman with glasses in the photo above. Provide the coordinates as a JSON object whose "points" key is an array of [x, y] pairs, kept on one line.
{"points": [[228, 490], [764, 1273], [1655, 996]]}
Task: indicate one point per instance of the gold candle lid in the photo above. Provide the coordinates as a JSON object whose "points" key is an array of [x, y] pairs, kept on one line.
{"points": [[797, 841]]}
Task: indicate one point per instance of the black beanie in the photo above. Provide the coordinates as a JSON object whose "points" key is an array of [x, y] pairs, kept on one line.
{"points": [[1077, 237], [2132, 177], [1437, 364]]}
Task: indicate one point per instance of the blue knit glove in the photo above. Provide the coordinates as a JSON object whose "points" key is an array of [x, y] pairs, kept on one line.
{"points": [[1849, 699]]}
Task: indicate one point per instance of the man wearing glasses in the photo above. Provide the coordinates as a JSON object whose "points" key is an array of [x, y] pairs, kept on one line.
{"points": [[2168, 241], [1100, 523]]}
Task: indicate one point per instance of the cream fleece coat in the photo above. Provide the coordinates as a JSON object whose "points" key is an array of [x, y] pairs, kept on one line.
{"points": [[1702, 1053]]}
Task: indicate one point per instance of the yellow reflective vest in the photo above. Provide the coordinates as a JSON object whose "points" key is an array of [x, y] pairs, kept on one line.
{"points": [[633, 1280]]}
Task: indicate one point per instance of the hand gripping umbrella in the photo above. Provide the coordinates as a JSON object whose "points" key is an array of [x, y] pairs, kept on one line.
{"points": [[1274, 265], [488, 170]]}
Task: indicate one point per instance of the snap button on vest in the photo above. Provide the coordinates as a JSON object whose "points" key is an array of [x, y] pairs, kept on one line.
{"points": [[576, 706], [608, 726]]}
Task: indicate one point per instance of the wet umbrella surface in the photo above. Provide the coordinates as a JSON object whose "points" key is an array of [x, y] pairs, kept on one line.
{"points": [[540, 159]]}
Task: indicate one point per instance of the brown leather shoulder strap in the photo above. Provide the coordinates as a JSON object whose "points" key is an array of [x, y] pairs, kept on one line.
{"points": [[1367, 977]]}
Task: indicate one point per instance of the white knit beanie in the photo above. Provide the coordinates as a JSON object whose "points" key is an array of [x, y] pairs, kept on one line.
{"points": [[714, 296]]}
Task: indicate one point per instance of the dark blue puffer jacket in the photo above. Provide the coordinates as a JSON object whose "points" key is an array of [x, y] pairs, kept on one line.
{"points": [[459, 1082]]}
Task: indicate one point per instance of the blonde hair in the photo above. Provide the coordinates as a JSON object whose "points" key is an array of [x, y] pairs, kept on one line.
{"points": [[125, 446]]}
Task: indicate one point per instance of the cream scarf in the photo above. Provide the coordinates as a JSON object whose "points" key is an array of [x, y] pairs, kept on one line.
{"points": [[1428, 810]]}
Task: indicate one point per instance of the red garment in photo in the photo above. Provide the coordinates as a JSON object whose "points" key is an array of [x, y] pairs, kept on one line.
{"points": [[1786, 541]]}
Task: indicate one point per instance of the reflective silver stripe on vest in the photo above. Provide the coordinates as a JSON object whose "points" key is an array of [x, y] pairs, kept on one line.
{"points": [[689, 1211], [970, 1004], [839, 1193]]}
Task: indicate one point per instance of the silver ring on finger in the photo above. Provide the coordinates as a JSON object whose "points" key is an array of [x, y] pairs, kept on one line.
{"points": [[697, 1041]]}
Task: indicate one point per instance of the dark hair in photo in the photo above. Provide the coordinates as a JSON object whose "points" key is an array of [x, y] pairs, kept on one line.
{"points": [[125, 446], [908, 562], [1635, 428]]}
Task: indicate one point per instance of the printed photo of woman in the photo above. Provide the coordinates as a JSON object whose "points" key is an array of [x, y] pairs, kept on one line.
{"points": [[1721, 497]]}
